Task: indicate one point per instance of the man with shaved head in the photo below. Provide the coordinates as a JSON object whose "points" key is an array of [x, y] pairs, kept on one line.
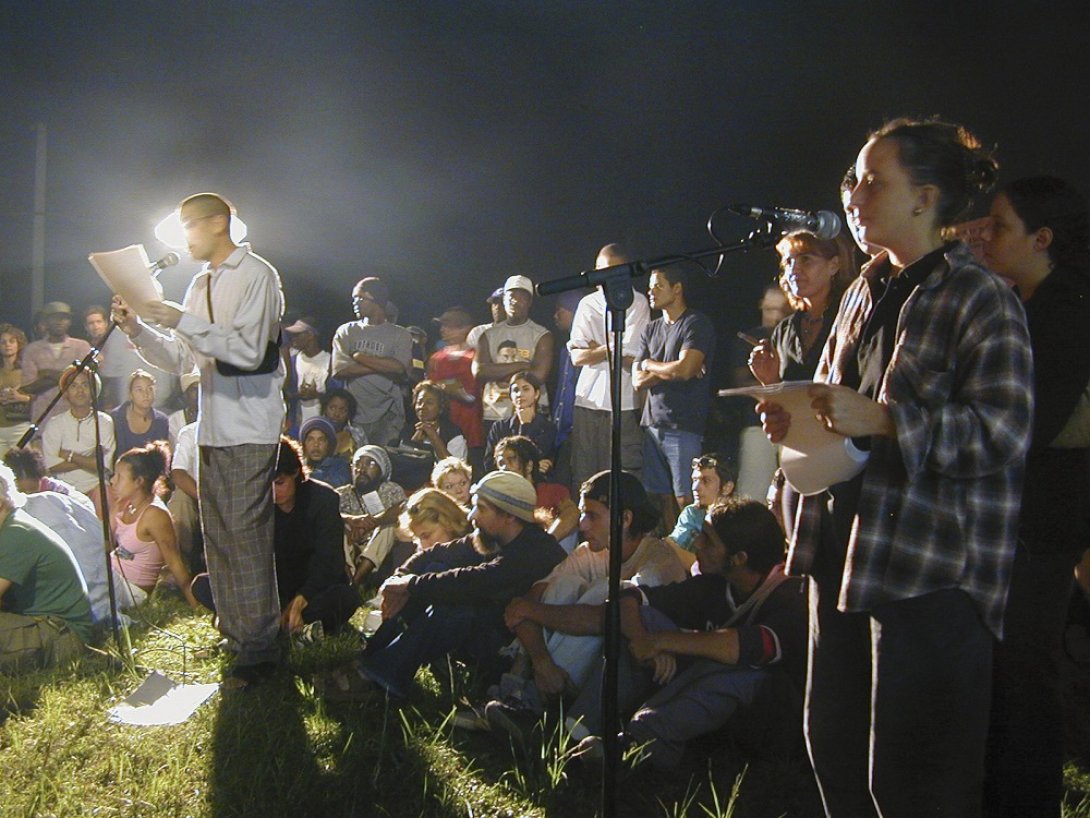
{"points": [[228, 328], [592, 424]]}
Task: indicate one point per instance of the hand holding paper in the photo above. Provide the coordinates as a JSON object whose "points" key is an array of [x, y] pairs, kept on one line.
{"points": [[814, 456], [848, 413]]}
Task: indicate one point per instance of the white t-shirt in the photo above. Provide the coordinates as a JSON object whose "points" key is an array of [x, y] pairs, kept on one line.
{"points": [[313, 371], [653, 563], [588, 329], [508, 344]]}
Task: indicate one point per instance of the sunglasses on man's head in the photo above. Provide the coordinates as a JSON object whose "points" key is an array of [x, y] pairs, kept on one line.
{"points": [[705, 462]]}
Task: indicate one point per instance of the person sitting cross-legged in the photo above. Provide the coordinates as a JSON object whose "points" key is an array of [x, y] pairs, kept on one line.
{"points": [[561, 661], [315, 596], [72, 518], [449, 599], [697, 651], [46, 616], [146, 538], [370, 506], [714, 476]]}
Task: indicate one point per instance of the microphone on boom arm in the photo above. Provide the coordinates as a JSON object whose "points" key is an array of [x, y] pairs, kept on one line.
{"points": [[824, 223]]}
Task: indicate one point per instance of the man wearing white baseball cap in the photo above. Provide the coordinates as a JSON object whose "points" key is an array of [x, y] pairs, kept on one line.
{"points": [[515, 345], [449, 599]]}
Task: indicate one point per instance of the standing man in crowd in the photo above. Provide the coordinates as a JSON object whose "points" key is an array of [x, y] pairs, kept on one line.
{"points": [[311, 363], [373, 356], [515, 345], [45, 359], [564, 392], [592, 426], [228, 326], [674, 358]]}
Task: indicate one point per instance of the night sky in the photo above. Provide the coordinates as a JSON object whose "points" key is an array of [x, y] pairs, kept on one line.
{"points": [[446, 145]]}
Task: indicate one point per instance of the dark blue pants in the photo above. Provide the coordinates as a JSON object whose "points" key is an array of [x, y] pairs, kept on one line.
{"points": [[897, 705], [400, 646]]}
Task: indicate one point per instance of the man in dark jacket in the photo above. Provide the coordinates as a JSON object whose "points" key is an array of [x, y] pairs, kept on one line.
{"points": [[450, 599], [310, 578]]}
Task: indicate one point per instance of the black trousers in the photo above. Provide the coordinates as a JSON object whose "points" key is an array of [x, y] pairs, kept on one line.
{"points": [[1025, 740], [897, 705]]}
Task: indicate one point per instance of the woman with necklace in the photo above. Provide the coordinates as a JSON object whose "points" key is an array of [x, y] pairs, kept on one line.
{"points": [[137, 422], [68, 439], [814, 273], [143, 528]]}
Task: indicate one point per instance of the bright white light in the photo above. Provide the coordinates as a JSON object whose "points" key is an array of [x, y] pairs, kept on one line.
{"points": [[169, 231]]}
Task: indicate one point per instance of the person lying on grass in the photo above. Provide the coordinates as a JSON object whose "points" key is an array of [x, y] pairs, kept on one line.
{"points": [[449, 599]]}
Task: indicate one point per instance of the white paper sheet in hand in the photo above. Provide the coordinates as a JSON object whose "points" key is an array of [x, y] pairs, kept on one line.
{"points": [[812, 457], [126, 273]]}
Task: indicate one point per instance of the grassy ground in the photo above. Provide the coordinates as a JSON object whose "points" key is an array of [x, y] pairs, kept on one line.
{"points": [[279, 750]]}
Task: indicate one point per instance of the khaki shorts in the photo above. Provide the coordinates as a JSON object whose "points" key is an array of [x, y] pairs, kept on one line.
{"points": [[33, 642]]}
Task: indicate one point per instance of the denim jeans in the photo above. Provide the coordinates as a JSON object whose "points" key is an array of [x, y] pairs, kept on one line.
{"points": [[667, 460], [402, 645]]}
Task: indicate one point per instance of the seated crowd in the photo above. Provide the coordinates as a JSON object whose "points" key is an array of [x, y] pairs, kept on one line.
{"points": [[449, 491], [471, 489]]}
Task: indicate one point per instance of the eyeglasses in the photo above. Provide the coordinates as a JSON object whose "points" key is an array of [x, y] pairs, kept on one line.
{"points": [[188, 223], [705, 462], [359, 299]]}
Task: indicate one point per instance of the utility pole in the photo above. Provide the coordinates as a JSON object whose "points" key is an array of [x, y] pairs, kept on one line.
{"points": [[37, 254]]}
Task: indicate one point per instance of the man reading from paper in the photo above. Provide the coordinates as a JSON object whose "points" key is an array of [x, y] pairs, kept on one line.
{"points": [[227, 328]]}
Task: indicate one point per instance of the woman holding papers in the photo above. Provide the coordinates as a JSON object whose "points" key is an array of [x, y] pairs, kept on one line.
{"points": [[929, 367]]}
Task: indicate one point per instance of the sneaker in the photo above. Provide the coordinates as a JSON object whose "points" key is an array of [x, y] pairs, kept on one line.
{"points": [[345, 684], [309, 634], [512, 719], [470, 719], [590, 750]]}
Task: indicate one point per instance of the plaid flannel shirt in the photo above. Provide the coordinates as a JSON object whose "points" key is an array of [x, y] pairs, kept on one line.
{"points": [[939, 502]]}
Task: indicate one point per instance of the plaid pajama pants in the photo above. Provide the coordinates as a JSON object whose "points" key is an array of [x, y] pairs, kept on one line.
{"points": [[237, 522]]}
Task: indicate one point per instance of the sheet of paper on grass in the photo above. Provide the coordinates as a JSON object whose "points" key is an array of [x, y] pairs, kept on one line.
{"points": [[160, 700], [126, 273], [812, 457]]}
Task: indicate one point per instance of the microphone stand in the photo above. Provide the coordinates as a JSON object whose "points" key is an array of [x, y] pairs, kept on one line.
{"points": [[89, 363], [616, 284]]}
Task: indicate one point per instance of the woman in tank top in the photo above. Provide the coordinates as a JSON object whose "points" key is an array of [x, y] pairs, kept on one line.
{"points": [[143, 528]]}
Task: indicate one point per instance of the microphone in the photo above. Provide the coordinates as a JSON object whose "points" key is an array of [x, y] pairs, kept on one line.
{"points": [[824, 224], [169, 260]]}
